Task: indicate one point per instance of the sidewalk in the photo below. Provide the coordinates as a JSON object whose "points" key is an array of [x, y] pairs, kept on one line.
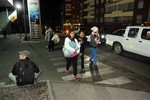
{"points": [[57, 90]]}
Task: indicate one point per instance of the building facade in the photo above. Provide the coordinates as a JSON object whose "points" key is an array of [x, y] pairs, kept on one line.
{"points": [[71, 12], [114, 14]]}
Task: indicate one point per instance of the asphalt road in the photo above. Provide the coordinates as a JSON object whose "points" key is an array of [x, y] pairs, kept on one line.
{"points": [[127, 71]]}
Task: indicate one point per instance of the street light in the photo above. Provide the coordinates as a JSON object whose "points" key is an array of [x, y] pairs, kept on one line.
{"points": [[18, 7]]}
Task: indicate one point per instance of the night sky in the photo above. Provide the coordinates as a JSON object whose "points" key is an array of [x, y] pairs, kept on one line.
{"points": [[50, 12]]}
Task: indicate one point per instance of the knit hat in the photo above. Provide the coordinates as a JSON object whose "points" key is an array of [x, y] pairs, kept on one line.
{"points": [[94, 29], [25, 52]]}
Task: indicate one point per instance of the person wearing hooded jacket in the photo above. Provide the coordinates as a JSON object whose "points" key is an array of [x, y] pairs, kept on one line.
{"points": [[94, 42]]}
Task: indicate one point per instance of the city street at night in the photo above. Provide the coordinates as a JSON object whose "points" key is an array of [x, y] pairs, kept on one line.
{"points": [[74, 49], [128, 72]]}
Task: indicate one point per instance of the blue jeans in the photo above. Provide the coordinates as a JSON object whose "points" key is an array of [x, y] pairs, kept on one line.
{"points": [[93, 55]]}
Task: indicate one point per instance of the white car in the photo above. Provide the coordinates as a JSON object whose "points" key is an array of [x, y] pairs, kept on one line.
{"points": [[136, 39]]}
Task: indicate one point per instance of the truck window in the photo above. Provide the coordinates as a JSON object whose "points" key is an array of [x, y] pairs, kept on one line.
{"points": [[146, 34], [133, 32], [119, 32]]}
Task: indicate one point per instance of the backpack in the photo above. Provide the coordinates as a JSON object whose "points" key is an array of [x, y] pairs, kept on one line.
{"points": [[26, 74]]}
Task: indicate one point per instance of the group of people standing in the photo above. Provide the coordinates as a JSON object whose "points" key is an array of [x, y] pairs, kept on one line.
{"points": [[74, 46], [26, 71]]}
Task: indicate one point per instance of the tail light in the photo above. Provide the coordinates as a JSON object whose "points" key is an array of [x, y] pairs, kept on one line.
{"points": [[67, 31]]}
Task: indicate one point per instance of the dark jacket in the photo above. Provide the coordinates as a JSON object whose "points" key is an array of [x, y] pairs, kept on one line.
{"points": [[93, 42], [82, 44], [24, 63]]}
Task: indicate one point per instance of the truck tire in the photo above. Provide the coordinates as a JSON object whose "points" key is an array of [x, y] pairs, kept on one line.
{"points": [[118, 49]]}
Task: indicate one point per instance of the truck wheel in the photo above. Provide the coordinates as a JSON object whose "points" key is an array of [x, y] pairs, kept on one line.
{"points": [[118, 48]]}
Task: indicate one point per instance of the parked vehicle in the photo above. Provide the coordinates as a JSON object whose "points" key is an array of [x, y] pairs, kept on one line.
{"points": [[136, 39], [119, 32]]}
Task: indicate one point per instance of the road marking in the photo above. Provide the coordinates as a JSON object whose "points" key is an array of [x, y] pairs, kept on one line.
{"points": [[2, 83], [63, 69], [115, 81], [30, 41], [58, 59], [62, 64], [103, 70], [87, 74]]}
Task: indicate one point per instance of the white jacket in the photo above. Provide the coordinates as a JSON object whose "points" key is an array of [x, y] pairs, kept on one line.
{"points": [[47, 35], [66, 44]]}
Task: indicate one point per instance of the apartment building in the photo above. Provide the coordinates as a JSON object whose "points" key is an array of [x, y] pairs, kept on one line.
{"points": [[141, 11], [114, 14], [71, 12]]}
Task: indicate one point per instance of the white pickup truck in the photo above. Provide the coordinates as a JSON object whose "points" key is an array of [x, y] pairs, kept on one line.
{"points": [[136, 39]]}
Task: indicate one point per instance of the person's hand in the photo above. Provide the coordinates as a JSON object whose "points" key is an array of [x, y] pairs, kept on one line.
{"points": [[81, 40], [76, 52]]}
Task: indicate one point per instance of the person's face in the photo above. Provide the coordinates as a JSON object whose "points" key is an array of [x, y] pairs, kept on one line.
{"points": [[45, 27], [72, 34], [82, 34], [97, 32], [21, 56]]}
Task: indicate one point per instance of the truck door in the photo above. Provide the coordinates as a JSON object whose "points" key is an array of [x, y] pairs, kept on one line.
{"points": [[144, 42], [130, 41]]}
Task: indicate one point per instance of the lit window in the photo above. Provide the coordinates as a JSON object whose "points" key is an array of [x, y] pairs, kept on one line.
{"points": [[139, 19], [96, 20], [140, 4], [102, 10], [101, 19], [97, 2]]}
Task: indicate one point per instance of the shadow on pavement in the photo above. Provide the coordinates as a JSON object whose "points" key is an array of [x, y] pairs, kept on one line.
{"points": [[95, 73]]}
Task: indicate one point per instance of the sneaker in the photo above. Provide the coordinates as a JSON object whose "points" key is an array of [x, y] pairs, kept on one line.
{"points": [[68, 71], [76, 77]]}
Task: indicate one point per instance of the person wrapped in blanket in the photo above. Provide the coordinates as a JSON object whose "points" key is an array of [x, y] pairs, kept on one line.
{"points": [[94, 42], [71, 50]]}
